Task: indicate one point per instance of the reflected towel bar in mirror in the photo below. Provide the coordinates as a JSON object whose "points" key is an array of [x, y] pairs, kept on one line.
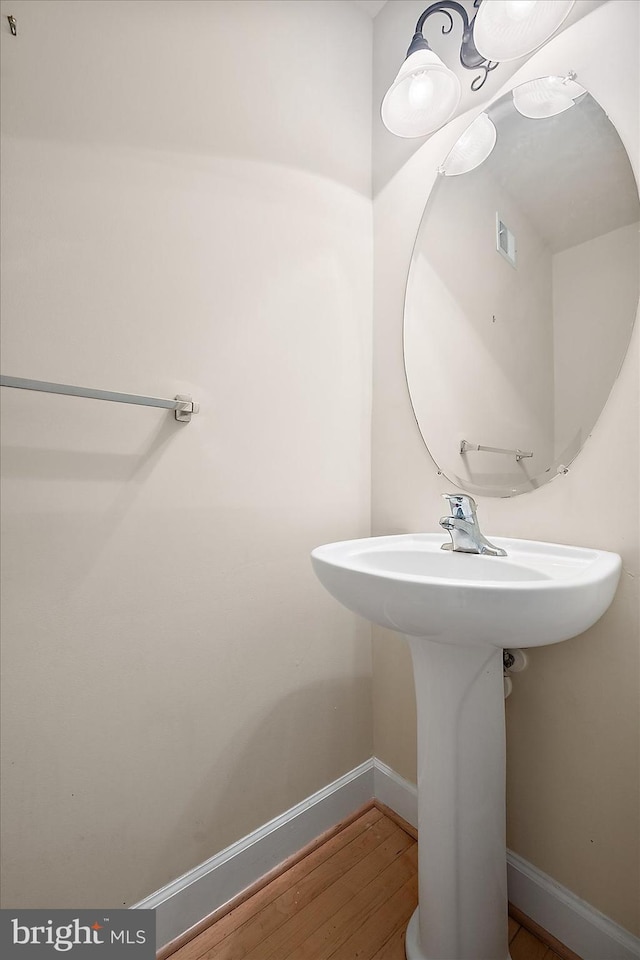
{"points": [[465, 446], [183, 405]]}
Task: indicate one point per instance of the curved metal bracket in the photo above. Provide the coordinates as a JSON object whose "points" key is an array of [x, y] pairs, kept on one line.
{"points": [[470, 58]]}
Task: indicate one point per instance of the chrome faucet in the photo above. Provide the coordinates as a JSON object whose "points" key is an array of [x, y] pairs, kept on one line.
{"points": [[463, 528]]}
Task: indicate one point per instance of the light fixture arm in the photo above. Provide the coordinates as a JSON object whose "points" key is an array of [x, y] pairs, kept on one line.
{"points": [[470, 58]]}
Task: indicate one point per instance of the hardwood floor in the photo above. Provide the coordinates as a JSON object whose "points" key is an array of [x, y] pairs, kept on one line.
{"points": [[348, 899]]}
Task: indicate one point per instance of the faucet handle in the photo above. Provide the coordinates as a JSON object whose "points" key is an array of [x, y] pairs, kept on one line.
{"points": [[462, 506]]}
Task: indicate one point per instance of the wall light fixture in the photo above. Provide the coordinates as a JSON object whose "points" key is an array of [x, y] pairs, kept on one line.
{"points": [[547, 96], [426, 93], [472, 148]]}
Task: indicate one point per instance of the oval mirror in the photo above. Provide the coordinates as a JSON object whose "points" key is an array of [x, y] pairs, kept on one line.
{"points": [[523, 289]]}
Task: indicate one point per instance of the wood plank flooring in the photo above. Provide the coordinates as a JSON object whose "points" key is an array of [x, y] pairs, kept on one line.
{"points": [[348, 899]]}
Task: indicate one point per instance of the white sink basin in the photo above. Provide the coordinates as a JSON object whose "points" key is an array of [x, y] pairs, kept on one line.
{"points": [[540, 593]]}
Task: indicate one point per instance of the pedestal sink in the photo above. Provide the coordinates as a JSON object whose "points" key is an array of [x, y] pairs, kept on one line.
{"points": [[458, 611]]}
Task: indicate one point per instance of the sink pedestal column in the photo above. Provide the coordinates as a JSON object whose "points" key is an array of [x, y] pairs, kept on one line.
{"points": [[461, 803]]}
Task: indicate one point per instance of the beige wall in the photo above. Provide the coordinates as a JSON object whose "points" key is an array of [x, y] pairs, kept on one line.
{"points": [[595, 297], [177, 219], [573, 721]]}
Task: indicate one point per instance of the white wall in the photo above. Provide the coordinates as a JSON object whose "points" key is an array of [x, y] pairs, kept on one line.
{"points": [[573, 718], [178, 219]]}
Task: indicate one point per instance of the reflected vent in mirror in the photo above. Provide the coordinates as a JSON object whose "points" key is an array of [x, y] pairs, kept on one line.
{"points": [[505, 241]]}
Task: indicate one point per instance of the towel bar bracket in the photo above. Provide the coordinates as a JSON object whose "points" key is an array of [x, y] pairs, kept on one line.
{"points": [[187, 407]]}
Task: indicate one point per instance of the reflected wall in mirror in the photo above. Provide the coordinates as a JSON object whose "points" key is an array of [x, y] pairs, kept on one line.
{"points": [[523, 289]]}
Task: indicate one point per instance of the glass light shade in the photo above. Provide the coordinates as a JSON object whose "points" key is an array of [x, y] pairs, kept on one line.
{"points": [[422, 98], [509, 29], [472, 148], [546, 97]]}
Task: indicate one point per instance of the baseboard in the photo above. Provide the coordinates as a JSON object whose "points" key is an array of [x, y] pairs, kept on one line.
{"points": [[395, 792], [571, 920], [183, 904]]}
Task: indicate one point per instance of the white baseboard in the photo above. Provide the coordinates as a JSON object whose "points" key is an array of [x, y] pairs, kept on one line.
{"points": [[187, 900], [190, 898], [571, 920], [574, 922], [396, 792]]}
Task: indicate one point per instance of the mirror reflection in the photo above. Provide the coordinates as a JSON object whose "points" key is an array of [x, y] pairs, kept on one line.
{"points": [[523, 288]]}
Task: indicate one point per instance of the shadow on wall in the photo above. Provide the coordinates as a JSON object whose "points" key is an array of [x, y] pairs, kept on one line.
{"points": [[25, 462], [168, 103], [79, 536], [232, 779]]}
